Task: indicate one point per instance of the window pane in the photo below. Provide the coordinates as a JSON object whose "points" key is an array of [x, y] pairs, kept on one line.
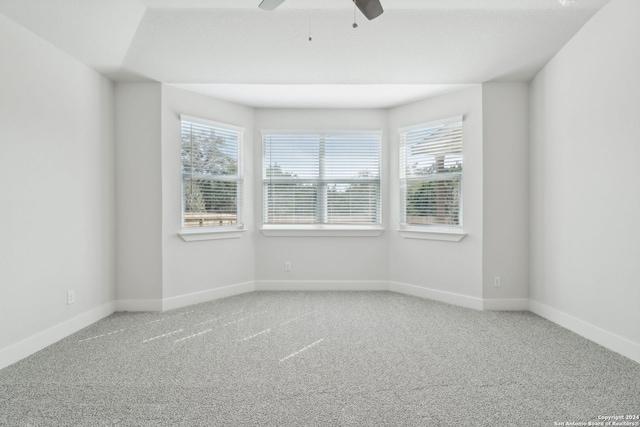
{"points": [[431, 165], [352, 156], [433, 202], [357, 203], [291, 203], [209, 203], [211, 180], [209, 151], [294, 156]]}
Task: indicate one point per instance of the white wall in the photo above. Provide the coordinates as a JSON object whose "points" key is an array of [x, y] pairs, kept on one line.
{"points": [[333, 259], [585, 203], [505, 236], [56, 190], [138, 196], [192, 267], [449, 267]]}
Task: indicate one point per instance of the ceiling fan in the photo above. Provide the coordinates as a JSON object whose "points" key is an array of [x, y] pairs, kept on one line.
{"points": [[369, 8]]}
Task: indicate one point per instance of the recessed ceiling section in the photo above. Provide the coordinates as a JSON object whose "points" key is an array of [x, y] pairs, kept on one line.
{"points": [[320, 96], [234, 42], [401, 47]]}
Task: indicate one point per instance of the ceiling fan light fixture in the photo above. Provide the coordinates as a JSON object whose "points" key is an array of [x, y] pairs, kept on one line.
{"points": [[270, 4], [369, 8]]}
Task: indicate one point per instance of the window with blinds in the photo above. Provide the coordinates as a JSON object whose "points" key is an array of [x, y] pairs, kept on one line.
{"points": [[431, 173], [321, 178], [211, 173]]}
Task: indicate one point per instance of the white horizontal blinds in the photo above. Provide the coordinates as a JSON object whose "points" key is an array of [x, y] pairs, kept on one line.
{"points": [[321, 179], [211, 174], [353, 179], [431, 174], [290, 176]]}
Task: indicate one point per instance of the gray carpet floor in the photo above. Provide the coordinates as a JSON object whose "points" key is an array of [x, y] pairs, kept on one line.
{"points": [[320, 359]]}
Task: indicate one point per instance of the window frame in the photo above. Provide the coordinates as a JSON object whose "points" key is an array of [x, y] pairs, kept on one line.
{"points": [[322, 229], [216, 232], [451, 233]]}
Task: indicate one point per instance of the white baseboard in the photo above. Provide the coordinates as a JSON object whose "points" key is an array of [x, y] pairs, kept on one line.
{"points": [[437, 295], [208, 295], [594, 333], [506, 304], [321, 285], [139, 305], [26, 347]]}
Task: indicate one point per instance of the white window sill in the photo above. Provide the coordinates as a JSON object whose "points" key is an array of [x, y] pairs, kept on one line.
{"points": [[321, 231], [210, 233], [433, 233]]}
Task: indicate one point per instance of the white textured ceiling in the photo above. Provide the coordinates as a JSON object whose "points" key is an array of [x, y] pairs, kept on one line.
{"points": [[218, 44]]}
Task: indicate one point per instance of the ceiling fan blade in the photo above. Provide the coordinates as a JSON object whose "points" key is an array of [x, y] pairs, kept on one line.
{"points": [[369, 8], [270, 4]]}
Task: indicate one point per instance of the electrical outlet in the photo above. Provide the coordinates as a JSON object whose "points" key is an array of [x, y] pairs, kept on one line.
{"points": [[287, 266], [71, 297], [496, 281]]}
